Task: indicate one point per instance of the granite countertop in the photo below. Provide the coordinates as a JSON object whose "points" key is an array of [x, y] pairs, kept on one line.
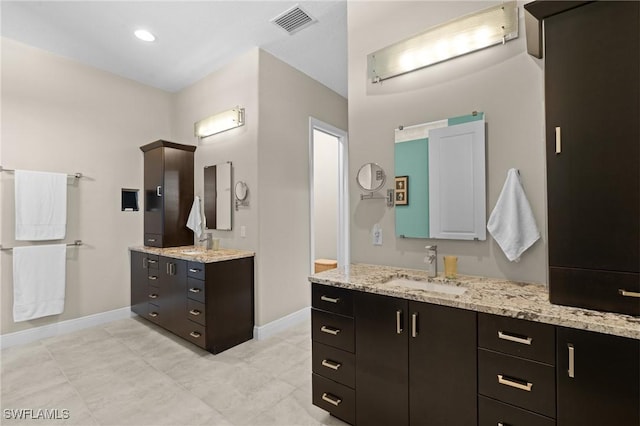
{"points": [[490, 295], [196, 253]]}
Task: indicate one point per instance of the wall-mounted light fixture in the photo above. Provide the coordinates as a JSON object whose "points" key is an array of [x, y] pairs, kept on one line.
{"points": [[460, 36], [220, 122]]}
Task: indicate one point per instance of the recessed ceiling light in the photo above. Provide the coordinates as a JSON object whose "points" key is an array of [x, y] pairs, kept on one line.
{"points": [[145, 35]]}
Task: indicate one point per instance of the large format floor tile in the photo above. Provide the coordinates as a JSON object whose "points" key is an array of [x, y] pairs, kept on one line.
{"points": [[131, 372]]}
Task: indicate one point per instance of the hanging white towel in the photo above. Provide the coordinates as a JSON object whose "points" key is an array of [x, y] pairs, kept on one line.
{"points": [[511, 223], [38, 281], [41, 205], [194, 222]]}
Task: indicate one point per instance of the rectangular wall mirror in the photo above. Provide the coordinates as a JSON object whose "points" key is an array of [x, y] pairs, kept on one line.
{"points": [[443, 164], [217, 196]]}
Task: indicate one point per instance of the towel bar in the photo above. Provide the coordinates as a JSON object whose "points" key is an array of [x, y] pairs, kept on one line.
{"points": [[73, 244], [75, 175]]}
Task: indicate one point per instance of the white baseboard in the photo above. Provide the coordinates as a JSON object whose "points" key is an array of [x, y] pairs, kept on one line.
{"points": [[281, 324], [62, 327]]}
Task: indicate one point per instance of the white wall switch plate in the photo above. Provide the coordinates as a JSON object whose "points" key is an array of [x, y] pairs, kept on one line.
{"points": [[376, 235], [243, 231]]}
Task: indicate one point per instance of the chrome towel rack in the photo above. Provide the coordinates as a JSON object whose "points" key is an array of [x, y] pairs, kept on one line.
{"points": [[75, 175], [73, 244]]}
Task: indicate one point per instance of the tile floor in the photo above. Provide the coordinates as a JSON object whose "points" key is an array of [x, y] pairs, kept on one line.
{"points": [[130, 372]]}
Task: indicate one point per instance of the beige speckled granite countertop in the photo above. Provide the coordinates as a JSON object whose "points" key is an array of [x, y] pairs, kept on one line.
{"points": [[490, 295], [203, 256]]}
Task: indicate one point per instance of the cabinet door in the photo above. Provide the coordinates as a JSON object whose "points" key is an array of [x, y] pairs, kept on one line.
{"points": [[592, 97], [173, 294], [598, 379], [139, 286], [153, 195], [442, 365], [382, 391]]}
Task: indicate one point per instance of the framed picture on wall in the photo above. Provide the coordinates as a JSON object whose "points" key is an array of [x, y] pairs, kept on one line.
{"points": [[402, 190]]}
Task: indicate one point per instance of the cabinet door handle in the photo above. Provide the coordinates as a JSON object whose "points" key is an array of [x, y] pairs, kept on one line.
{"points": [[414, 325], [194, 290], [627, 293], [195, 312], [159, 191], [572, 361], [153, 314], [329, 330], [330, 299], [399, 329], [331, 399], [558, 140], [331, 364], [152, 277], [153, 296], [195, 334], [513, 338], [194, 270], [511, 382]]}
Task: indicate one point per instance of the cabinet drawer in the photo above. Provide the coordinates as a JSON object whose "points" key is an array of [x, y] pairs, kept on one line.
{"points": [[195, 270], [332, 329], [195, 289], [332, 299], [153, 240], [196, 311], [524, 383], [337, 399], [153, 313], [151, 261], [526, 339], [153, 295], [195, 333], [334, 364], [492, 413]]}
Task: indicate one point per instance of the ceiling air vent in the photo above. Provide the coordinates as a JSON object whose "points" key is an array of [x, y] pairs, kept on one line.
{"points": [[293, 20]]}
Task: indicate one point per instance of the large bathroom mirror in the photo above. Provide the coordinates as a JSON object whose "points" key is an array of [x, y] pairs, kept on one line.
{"points": [[218, 196], [371, 177], [443, 165]]}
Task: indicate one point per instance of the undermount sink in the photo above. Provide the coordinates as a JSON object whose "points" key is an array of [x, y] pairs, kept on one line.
{"points": [[427, 286]]}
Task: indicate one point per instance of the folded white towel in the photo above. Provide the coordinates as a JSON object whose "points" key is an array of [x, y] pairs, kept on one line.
{"points": [[511, 223], [194, 222], [41, 205], [38, 281]]}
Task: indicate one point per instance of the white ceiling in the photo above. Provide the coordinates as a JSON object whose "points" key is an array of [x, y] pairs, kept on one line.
{"points": [[194, 38]]}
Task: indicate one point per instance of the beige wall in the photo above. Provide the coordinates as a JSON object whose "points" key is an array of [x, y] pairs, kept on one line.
{"points": [[503, 81], [61, 116], [287, 99]]}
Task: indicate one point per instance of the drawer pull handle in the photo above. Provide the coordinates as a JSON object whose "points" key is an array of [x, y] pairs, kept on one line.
{"points": [[572, 362], [195, 334], [512, 338], [194, 270], [330, 299], [153, 314], [151, 260], [194, 290], [329, 330], [151, 240], [153, 277], [511, 382], [627, 293], [331, 364], [331, 399], [153, 296], [195, 312]]}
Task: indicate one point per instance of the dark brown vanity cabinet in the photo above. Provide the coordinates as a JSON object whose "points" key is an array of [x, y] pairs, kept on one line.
{"points": [[592, 101], [598, 379], [168, 193], [415, 362], [208, 304]]}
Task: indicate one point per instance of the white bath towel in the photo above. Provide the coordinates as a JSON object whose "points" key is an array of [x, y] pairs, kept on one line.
{"points": [[38, 281], [511, 223], [194, 222], [41, 205]]}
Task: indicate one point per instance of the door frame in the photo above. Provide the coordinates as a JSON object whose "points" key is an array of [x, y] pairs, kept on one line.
{"points": [[343, 252]]}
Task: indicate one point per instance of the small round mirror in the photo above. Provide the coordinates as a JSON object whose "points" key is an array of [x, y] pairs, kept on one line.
{"points": [[371, 177], [241, 191]]}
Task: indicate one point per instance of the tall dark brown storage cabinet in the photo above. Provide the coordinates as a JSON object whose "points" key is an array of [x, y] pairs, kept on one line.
{"points": [[592, 99], [168, 193]]}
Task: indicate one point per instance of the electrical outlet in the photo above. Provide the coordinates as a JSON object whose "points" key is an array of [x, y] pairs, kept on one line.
{"points": [[377, 235], [243, 231]]}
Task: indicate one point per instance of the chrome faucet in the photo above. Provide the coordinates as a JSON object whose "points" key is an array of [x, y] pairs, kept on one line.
{"points": [[432, 260], [208, 241]]}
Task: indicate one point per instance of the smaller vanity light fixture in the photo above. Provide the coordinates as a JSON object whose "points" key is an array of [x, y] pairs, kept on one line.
{"points": [[220, 122], [460, 36]]}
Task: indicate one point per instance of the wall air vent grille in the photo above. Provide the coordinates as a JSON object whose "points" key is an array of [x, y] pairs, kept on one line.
{"points": [[293, 20]]}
